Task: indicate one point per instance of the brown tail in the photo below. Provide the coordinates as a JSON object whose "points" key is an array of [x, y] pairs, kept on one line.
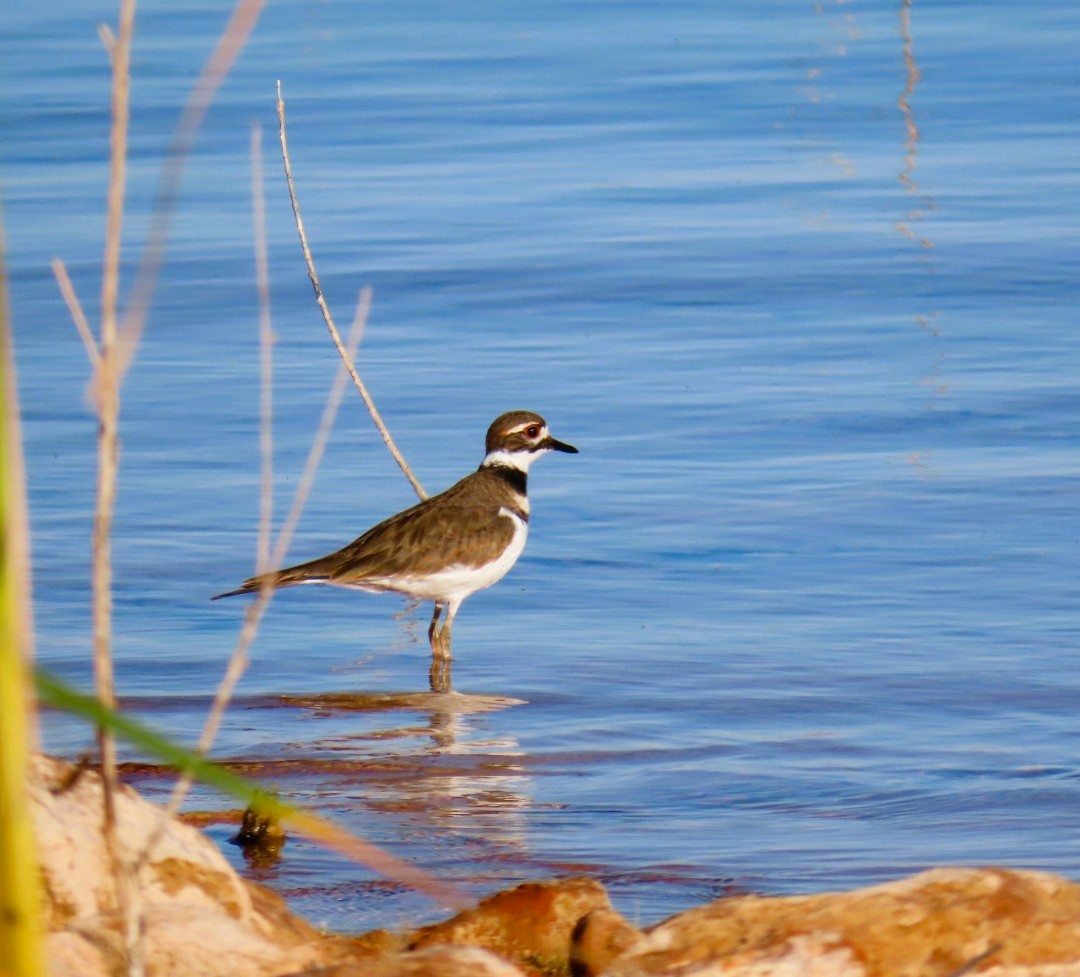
{"points": [[249, 587], [277, 580]]}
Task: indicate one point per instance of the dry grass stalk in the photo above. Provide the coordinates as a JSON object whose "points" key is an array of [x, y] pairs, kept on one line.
{"points": [[231, 42], [329, 835], [107, 391], [311, 826], [78, 316], [21, 953], [108, 396], [322, 434], [324, 308], [110, 359], [238, 662], [266, 354]]}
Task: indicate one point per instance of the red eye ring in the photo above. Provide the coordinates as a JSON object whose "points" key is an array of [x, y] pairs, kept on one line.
{"points": [[532, 432]]}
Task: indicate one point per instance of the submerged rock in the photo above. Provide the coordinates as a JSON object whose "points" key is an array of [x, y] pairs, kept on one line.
{"points": [[261, 838]]}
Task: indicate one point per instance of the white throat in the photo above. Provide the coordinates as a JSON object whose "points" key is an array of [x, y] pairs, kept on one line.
{"points": [[521, 460]]}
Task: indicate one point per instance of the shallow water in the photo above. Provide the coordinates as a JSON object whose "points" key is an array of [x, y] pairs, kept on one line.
{"points": [[798, 280]]}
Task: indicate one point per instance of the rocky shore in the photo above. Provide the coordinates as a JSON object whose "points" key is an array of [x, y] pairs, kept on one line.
{"points": [[202, 920]]}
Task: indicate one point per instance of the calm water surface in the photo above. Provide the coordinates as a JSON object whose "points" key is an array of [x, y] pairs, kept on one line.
{"points": [[800, 282]]}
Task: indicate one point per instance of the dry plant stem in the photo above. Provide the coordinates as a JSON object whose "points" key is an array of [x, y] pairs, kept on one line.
{"points": [[324, 308], [266, 354], [239, 661], [110, 360], [331, 836], [230, 44], [82, 326], [107, 390], [107, 38], [312, 826], [322, 434], [108, 407]]}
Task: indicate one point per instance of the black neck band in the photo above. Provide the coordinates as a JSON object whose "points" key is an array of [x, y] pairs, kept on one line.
{"points": [[514, 477]]}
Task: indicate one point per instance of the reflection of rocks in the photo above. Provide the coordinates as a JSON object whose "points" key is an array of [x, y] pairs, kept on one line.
{"points": [[203, 921]]}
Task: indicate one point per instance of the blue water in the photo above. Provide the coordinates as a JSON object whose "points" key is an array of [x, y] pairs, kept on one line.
{"points": [[799, 281]]}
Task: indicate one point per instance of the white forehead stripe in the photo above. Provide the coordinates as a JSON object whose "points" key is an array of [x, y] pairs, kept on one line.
{"points": [[522, 427]]}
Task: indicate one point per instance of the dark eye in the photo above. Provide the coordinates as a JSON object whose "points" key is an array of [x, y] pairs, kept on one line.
{"points": [[532, 432]]}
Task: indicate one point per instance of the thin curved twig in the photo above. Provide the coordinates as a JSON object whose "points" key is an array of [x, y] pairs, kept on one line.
{"points": [[324, 308], [266, 354]]}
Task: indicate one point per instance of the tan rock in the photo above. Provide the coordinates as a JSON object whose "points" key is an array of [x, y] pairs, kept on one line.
{"points": [[435, 961], [936, 924], [599, 938], [185, 867], [530, 925], [74, 955], [201, 918]]}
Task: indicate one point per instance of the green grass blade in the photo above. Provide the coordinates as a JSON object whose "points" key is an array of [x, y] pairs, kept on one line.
{"points": [[53, 692]]}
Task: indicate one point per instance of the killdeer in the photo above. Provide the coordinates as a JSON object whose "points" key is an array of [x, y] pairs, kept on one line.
{"points": [[446, 547]]}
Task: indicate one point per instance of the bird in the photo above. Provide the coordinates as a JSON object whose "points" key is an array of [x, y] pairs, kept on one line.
{"points": [[446, 547]]}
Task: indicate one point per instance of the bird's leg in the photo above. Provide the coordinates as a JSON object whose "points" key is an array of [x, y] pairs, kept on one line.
{"points": [[433, 633], [439, 638], [444, 632]]}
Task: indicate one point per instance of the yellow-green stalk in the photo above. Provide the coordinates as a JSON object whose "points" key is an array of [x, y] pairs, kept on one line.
{"points": [[21, 953]]}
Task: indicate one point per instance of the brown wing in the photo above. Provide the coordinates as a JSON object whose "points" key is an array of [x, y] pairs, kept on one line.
{"points": [[423, 540], [461, 525]]}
